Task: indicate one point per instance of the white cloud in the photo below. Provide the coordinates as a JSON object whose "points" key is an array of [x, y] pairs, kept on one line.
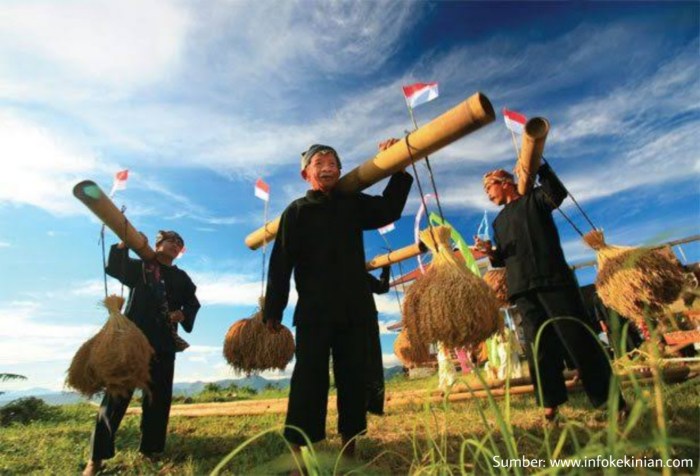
{"points": [[35, 336], [231, 289], [4, 244], [390, 360], [42, 168], [121, 44]]}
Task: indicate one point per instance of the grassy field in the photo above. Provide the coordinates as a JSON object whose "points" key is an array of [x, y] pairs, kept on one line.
{"points": [[418, 439]]}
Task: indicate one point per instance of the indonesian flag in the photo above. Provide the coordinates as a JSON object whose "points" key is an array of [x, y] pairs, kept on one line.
{"points": [[182, 252], [262, 190], [420, 93], [386, 229], [514, 120], [119, 181]]}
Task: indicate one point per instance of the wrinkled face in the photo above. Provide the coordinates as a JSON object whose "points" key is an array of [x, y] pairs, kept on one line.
{"points": [[170, 247], [322, 172]]}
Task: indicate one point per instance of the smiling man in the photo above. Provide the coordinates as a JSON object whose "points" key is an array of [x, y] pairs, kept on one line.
{"points": [[320, 240]]}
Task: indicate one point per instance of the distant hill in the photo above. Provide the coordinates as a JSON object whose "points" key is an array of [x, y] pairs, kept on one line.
{"points": [[179, 388]]}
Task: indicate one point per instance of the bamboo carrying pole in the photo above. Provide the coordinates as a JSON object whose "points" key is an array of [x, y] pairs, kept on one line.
{"points": [[100, 204], [456, 123], [396, 256], [534, 137]]}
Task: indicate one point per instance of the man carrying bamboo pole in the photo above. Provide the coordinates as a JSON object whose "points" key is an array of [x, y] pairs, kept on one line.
{"points": [[320, 240], [162, 295], [542, 286]]}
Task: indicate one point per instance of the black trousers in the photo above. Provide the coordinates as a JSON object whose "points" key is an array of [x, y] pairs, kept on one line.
{"points": [[375, 370], [559, 339], [308, 395], [154, 419]]}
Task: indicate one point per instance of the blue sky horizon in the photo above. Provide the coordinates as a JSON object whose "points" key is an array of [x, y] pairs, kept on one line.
{"points": [[199, 99]]}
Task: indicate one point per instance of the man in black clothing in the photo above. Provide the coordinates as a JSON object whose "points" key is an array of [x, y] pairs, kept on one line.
{"points": [[374, 362], [542, 286], [320, 240], [162, 295]]}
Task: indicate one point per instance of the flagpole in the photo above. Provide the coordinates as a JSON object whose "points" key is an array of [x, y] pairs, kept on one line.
{"points": [[427, 164], [264, 247]]}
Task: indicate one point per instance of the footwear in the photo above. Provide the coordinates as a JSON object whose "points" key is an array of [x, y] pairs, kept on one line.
{"points": [[348, 447], [93, 467], [550, 413]]}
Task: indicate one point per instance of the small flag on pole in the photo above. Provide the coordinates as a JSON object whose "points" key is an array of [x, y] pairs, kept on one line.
{"points": [[386, 229], [420, 93], [182, 252], [262, 190], [514, 120], [119, 181]]}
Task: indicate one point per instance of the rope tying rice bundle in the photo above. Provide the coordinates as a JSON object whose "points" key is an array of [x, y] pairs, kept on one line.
{"points": [[449, 304]]}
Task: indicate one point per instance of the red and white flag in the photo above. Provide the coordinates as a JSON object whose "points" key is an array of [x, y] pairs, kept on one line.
{"points": [[386, 229], [182, 252], [119, 181], [420, 93], [262, 190], [514, 121]]}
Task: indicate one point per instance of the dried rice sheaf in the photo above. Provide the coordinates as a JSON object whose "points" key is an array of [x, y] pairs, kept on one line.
{"points": [[116, 359], [496, 279], [449, 303], [121, 354], [81, 375], [410, 355], [635, 282], [250, 347]]}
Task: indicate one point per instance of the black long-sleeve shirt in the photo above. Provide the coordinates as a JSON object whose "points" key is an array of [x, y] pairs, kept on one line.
{"points": [[320, 240], [527, 241], [144, 306]]}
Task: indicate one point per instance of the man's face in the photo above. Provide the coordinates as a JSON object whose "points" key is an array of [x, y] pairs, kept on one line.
{"points": [[170, 247], [322, 172], [496, 192]]}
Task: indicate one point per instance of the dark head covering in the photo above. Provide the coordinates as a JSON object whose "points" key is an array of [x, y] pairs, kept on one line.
{"points": [[164, 235], [315, 149]]}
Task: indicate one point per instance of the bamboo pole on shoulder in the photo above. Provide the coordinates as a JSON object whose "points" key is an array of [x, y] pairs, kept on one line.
{"points": [[466, 117], [92, 196]]}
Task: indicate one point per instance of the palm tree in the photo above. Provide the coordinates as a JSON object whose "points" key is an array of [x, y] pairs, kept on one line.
{"points": [[6, 377]]}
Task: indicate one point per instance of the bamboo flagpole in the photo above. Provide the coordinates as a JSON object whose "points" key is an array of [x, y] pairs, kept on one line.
{"points": [[468, 116]]}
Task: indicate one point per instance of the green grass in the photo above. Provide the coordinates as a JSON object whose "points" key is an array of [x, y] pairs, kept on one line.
{"points": [[418, 439]]}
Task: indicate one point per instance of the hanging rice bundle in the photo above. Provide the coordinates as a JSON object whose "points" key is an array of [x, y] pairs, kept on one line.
{"points": [[496, 279], [635, 282], [250, 347], [449, 303], [120, 354], [410, 355], [81, 375]]}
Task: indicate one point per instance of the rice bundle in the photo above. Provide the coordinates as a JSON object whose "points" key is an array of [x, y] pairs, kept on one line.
{"points": [[410, 355], [635, 282], [116, 359], [496, 279], [449, 304], [250, 347], [81, 375], [121, 354]]}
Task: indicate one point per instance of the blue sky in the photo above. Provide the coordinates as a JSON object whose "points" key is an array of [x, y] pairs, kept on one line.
{"points": [[198, 99]]}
